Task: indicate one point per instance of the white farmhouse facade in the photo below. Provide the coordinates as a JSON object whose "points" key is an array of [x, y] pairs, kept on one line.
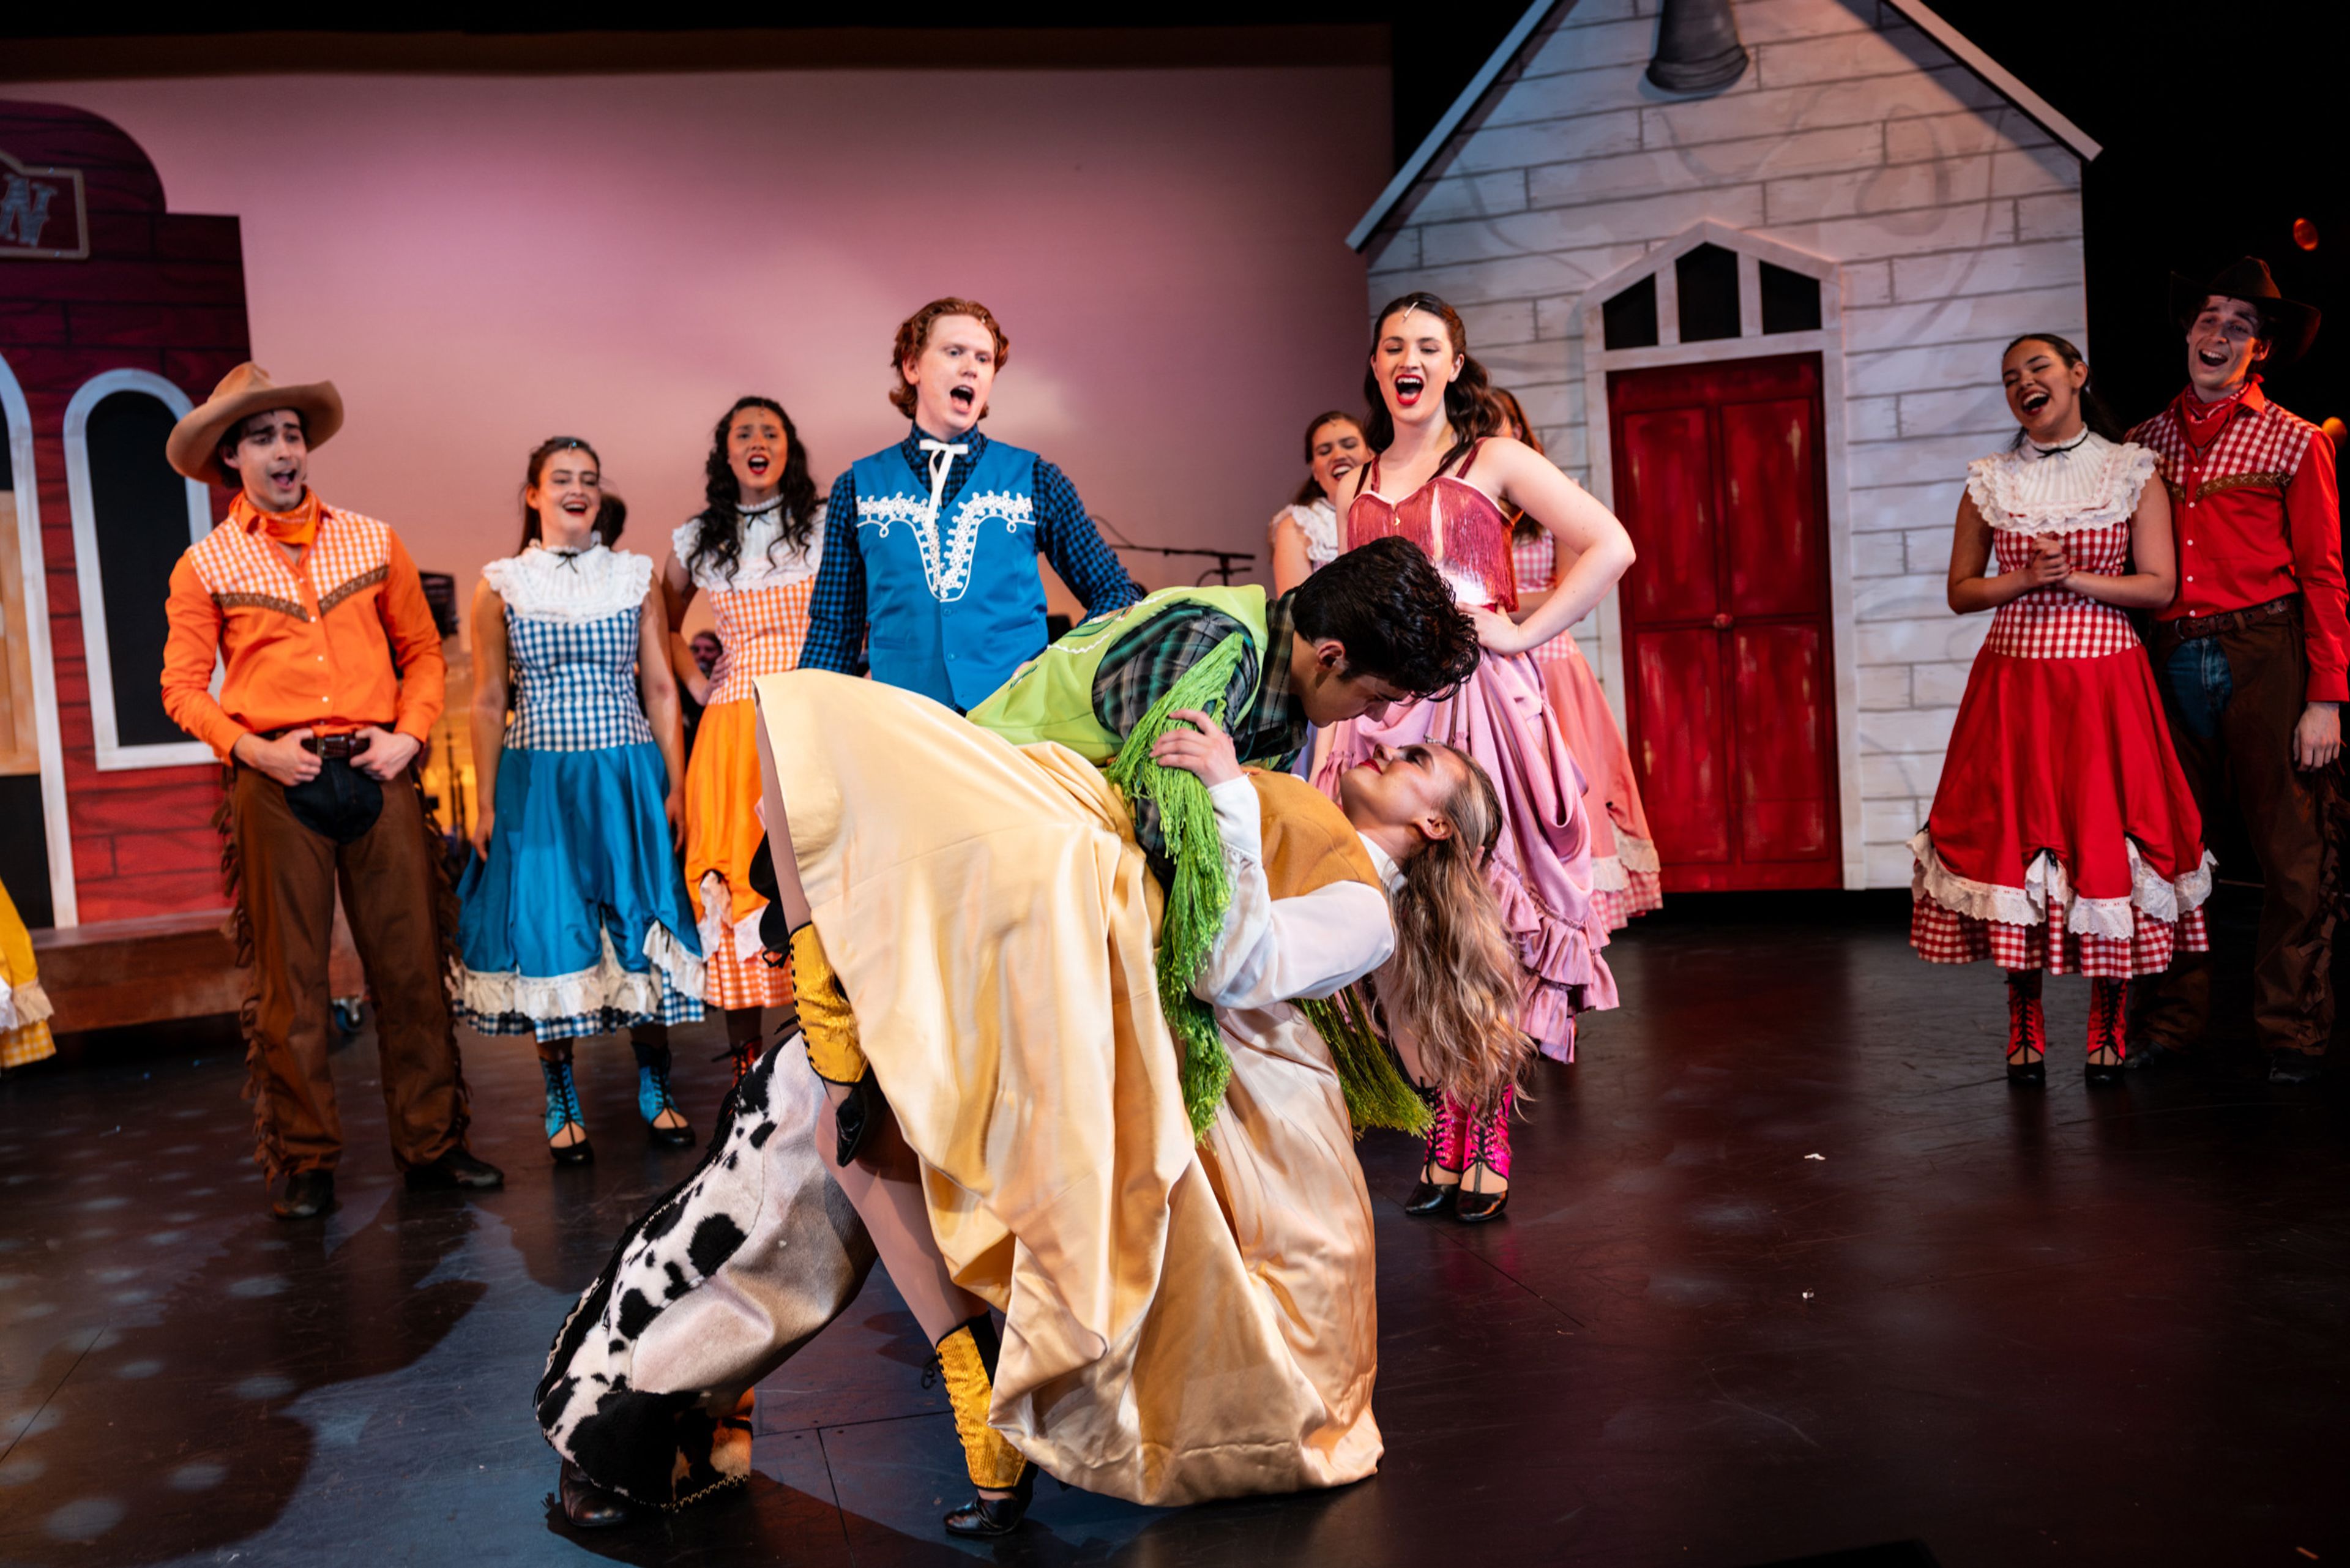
{"points": [[1572, 211]]}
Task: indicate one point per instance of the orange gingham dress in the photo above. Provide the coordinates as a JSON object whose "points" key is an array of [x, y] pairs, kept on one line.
{"points": [[763, 621]]}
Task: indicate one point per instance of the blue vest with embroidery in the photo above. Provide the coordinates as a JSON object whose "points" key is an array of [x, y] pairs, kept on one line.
{"points": [[953, 604]]}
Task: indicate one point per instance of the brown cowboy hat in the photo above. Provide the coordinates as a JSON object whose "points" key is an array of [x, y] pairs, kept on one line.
{"points": [[193, 446], [2289, 326]]}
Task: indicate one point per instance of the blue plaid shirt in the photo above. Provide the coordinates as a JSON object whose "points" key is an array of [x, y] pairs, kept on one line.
{"points": [[1064, 535]]}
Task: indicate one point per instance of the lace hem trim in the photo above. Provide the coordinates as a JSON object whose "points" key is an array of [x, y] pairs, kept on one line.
{"points": [[23, 1004], [719, 930], [608, 987], [1636, 853], [2046, 886]]}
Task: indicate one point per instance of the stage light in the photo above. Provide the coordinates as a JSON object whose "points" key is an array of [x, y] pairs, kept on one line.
{"points": [[2335, 430], [2304, 234]]}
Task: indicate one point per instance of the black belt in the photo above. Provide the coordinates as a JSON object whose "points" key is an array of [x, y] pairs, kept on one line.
{"points": [[334, 748], [2190, 626]]}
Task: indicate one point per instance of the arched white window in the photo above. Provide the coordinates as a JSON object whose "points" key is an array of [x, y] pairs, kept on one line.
{"points": [[133, 517], [25, 608]]}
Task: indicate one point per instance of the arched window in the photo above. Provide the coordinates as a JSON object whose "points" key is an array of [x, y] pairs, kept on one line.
{"points": [[133, 517], [35, 850]]}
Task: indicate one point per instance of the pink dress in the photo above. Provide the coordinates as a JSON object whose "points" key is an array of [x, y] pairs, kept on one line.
{"points": [[1540, 870], [1623, 854]]}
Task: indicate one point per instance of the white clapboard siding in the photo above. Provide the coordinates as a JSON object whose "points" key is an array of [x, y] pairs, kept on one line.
{"points": [[1956, 221]]}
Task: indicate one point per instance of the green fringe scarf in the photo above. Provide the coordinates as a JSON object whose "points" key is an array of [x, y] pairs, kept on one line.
{"points": [[1202, 890], [1376, 1095]]}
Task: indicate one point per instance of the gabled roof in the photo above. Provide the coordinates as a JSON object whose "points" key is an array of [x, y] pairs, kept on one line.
{"points": [[1922, 15]]}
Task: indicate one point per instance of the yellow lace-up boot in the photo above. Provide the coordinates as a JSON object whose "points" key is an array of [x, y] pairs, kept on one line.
{"points": [[967, 1365]]}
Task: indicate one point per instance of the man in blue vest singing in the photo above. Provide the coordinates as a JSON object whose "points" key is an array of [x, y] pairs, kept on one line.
{"points": [[930, 545]]}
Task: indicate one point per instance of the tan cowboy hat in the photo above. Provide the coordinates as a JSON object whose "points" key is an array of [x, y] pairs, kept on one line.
{"points": [[193, 446]]}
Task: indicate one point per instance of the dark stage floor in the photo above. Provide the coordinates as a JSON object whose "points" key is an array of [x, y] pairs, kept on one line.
{"points": [[1789, 1271]]}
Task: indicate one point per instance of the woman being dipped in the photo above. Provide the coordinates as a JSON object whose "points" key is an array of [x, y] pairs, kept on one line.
{"points": [[573, 921], [2064, 838], [1445, 479], [1044, 1166], [754, 549], [1624, 871]]}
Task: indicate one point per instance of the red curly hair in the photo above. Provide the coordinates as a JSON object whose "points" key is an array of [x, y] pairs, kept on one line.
{"points": [[914, 335]]}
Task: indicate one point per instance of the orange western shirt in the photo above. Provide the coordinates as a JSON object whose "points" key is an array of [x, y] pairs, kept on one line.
{"points": [[335, 639]]}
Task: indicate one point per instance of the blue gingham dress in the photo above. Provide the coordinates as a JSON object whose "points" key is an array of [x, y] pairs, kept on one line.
{"points": [[576, 923]]}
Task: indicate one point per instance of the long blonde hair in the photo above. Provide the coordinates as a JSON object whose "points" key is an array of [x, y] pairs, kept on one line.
{"points": [[1454, 984]]}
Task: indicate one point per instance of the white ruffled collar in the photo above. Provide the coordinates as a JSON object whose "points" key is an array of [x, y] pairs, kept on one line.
{"points": [[541, 584], [761, 564], [2092, 484]]}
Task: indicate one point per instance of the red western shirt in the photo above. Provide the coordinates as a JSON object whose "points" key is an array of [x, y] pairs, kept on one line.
{"points": [[2257, 517]]}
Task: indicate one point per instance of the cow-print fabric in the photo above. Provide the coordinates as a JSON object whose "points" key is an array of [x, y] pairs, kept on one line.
{"points": [[733, 1269]]}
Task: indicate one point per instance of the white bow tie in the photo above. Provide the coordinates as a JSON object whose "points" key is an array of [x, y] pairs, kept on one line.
{"points": [[943, 457]]}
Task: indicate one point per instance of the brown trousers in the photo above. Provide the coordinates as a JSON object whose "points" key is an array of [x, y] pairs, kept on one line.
{"points": [[287, 877], [2237, 752]]}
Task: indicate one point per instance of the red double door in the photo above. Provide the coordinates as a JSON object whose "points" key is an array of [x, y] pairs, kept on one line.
{"points": [[1731, 698]]}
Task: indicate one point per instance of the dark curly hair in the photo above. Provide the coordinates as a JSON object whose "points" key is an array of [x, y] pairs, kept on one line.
{"points": [[1467, 406], [718, 538], [611, 511], [1396, 614]]}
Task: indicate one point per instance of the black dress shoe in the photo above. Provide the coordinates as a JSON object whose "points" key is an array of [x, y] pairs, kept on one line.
{"points": [[988, 1516], [2151, 1054], [454, 1169], [308, 1194], [580, 1153], [2295, 1067], [2031, 1073], [588, 1506], [2105, 1075], [1476, 1208], [1429, 1197]]}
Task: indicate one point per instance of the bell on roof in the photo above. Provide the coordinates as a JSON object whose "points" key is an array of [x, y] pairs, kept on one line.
{"points": [[1696, 47]]}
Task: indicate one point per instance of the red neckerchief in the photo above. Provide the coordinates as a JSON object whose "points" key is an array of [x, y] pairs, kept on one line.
{"points": [[2202, 421]]}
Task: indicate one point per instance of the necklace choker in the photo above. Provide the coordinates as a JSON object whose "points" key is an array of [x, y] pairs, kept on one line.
{"points": [[2058, 450], [760, 510]]}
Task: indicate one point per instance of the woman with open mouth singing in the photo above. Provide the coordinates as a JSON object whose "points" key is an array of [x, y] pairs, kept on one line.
{"points": [[1444, 478], [754, 549]]}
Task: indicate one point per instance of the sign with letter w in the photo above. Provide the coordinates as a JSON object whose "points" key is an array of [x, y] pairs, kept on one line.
{"points": [[42, 215]]}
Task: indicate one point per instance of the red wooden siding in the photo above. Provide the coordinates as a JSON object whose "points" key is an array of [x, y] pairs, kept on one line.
{"points": [[1731, 706], [162, 292]]}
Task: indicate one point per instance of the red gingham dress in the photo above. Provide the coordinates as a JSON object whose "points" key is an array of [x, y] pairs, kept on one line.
{"points": [[2062, 837]]}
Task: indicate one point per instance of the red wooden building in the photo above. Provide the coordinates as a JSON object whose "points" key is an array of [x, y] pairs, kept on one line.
{"points": [[116, 316]]}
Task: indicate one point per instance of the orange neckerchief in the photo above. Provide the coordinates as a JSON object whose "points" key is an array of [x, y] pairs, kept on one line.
{"points": [[298, 527]]}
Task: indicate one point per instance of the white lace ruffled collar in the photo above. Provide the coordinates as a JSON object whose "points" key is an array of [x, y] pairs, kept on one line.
{"points": [[2093, 485], [541, 584], [763, 564]]}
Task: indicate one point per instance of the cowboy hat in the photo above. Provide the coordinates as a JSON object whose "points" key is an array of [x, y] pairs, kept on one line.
{"points": [[2289, 326], [193, 445]]}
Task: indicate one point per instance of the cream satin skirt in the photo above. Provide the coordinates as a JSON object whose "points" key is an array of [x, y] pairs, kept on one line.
{"points": [[1183, 1320]]}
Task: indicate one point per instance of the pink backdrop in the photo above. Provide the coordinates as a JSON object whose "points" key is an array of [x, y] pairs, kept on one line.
{"points": [[479, 262]]}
